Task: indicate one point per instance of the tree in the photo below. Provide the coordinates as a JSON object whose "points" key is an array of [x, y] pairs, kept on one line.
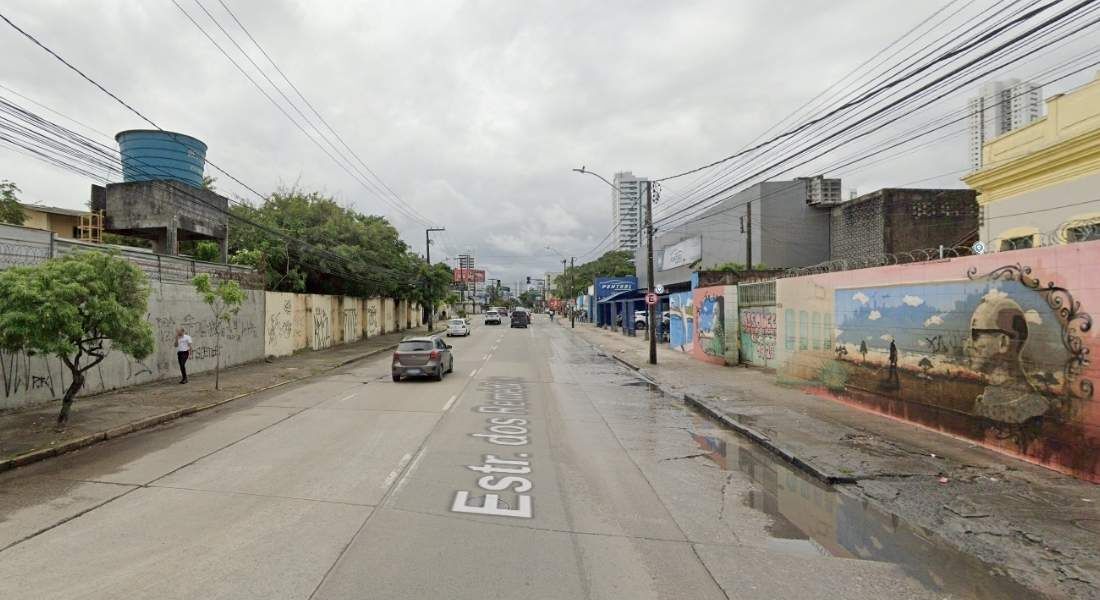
{"points": [[224, 301], [208, 182], [207, 251], [432, 284], [78, 308], [344, 252], [528, 298], [10, 210], [575, 280]]}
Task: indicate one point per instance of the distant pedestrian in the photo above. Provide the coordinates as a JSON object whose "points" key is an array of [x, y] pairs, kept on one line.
{"points": [[183, 352], [893, 379]]}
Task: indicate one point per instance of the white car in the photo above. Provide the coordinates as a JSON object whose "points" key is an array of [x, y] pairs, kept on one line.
{"points": [[458, 327]]}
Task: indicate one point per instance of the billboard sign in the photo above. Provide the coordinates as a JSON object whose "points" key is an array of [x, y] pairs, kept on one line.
{"points": [[463, 275], [609, 286], [682, 253]]}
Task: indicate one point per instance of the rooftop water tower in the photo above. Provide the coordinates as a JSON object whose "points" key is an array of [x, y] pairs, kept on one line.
{"points": [[162, 197]]}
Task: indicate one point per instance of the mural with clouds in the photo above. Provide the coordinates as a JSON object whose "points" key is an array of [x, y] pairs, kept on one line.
{"points": [[993, 352]]}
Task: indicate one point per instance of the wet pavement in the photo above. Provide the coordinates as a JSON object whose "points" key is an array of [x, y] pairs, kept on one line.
{"points": [[538, 469]]}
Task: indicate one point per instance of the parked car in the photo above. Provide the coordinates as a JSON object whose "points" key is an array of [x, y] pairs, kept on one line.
{"points": [[641, 318], [520, 318], [458, 327], [422, 357]]}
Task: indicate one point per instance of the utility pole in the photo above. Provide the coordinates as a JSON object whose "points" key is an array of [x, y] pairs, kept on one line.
{"points": [[427, 286], [573, 310], [651, 322], [748, 236]]}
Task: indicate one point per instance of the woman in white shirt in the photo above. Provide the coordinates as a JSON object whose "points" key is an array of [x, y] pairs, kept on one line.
{"points": [[183, 351]]}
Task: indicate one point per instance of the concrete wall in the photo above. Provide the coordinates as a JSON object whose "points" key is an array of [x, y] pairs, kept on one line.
{"points": [[279, 327], [373, 313], [890, 221], [25, 380], [994, 348], [389, 315]]}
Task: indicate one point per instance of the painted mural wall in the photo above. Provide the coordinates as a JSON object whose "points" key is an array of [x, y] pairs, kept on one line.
{"points": [[995, 348], [681, 321], [710, 305]]}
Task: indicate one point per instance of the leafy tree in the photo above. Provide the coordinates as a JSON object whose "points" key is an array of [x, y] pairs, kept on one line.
{"points": [[348, 253], [78, 308], [224, 300], [528, 298], [207, 251], [432, 285], [10, 210], [575, 280], [208, 182]]}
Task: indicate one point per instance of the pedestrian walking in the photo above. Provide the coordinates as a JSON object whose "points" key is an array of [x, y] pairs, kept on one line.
{"points": [[893, 376], [183, 352]]}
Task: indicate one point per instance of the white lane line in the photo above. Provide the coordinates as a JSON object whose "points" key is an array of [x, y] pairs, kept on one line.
{"points": [[447, 406], [405, 477], [393, 474], [486, 357], [348, 397], [474, 372]]}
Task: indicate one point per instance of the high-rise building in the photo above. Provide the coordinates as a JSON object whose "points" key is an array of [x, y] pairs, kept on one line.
{"points": [[627, 210], [1000, 107]]}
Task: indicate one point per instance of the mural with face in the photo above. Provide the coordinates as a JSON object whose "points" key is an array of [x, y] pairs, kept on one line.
{"points": [[998, 334]]}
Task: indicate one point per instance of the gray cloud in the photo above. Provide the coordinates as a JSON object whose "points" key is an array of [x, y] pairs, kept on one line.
{"points": [[473, 112]]}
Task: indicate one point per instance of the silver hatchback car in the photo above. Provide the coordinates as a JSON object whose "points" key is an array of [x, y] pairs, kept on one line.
{"points": [[422, 357]]}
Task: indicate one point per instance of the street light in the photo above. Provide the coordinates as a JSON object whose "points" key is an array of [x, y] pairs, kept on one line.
{"points": [[572, 309], [651, 321]]}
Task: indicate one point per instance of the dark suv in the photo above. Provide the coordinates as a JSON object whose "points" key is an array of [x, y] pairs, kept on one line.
{"points": [[520, 318]]}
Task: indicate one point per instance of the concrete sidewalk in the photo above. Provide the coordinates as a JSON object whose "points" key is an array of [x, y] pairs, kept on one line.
{"points": [[1037, 526], [29, 435]]}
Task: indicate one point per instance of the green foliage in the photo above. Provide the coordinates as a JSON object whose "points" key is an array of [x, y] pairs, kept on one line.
{"points": [[207, 251], [208, 182], [575, 280], [528, 298], [78, 308], [834, 376], [10, 211], [432, 285], [126, 240], [370, 258], [224, 300], [736, 267]]}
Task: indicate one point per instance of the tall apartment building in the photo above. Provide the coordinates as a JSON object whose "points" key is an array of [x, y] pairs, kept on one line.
{"points": [[1000, 107], [627, 210]]}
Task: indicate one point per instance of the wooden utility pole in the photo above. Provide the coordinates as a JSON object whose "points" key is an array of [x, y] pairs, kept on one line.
{"points": [[573, 310], [748, 236], [652, 308]]}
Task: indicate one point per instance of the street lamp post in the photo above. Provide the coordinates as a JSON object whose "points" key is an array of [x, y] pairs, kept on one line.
{"points": [[427, 284], [649, 253]]}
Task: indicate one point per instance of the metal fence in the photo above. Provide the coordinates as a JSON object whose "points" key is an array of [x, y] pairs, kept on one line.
{"points": [[22, 246]]}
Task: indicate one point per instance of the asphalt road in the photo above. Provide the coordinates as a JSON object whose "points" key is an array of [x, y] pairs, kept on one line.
{"points": [[538, 469]]}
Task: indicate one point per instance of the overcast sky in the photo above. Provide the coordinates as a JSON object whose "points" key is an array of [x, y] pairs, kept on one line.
{"points": [[472, 112]]}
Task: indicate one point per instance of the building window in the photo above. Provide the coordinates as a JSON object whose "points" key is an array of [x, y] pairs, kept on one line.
{"points": [[1083, 233], [1018, 243], [817, 330], [803, 330], [827, 330]]}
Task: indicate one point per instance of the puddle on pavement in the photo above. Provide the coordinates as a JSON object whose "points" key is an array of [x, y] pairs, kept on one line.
{"points": [[811, 519]]}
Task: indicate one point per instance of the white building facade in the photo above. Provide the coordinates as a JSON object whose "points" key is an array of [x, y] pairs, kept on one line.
{"points": [[627, 210], [1000, 107]]}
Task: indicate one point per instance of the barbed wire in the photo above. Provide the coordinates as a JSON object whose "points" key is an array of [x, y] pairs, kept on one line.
{"points": [[1068, 232]]}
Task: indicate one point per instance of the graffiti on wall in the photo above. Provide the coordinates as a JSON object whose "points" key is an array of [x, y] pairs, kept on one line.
{"points": [[280, 323], [374, 324], [322, 328], [710, 322], [681, 321], [758, 329], [351, 324]]}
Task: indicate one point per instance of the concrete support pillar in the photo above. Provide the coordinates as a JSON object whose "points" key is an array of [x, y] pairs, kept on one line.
{"points": [[223, 250]]}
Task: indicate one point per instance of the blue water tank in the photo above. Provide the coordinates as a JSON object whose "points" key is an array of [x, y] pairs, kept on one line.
{"points": [[149, 154]]}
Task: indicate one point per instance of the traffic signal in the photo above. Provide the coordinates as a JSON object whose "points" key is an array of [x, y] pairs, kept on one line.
{"points": [[528, 280]]}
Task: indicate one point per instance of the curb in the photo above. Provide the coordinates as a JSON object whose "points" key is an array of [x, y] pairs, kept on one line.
{"points": [[748, 432], [766, 442], [34, 456]]}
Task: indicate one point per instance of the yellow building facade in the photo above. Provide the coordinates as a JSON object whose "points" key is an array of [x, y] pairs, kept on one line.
{"points": [[1041, 183], [63, 222]]}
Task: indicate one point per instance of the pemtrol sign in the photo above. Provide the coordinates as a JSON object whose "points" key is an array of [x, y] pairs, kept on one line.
{"points": [[609, 286]]}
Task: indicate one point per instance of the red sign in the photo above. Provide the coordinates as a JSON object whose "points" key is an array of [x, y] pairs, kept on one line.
{"points": [[650, 299], [462, 275]]}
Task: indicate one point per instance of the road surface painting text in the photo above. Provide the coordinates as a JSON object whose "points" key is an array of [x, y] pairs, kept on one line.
{"points": [[506, 426]]}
